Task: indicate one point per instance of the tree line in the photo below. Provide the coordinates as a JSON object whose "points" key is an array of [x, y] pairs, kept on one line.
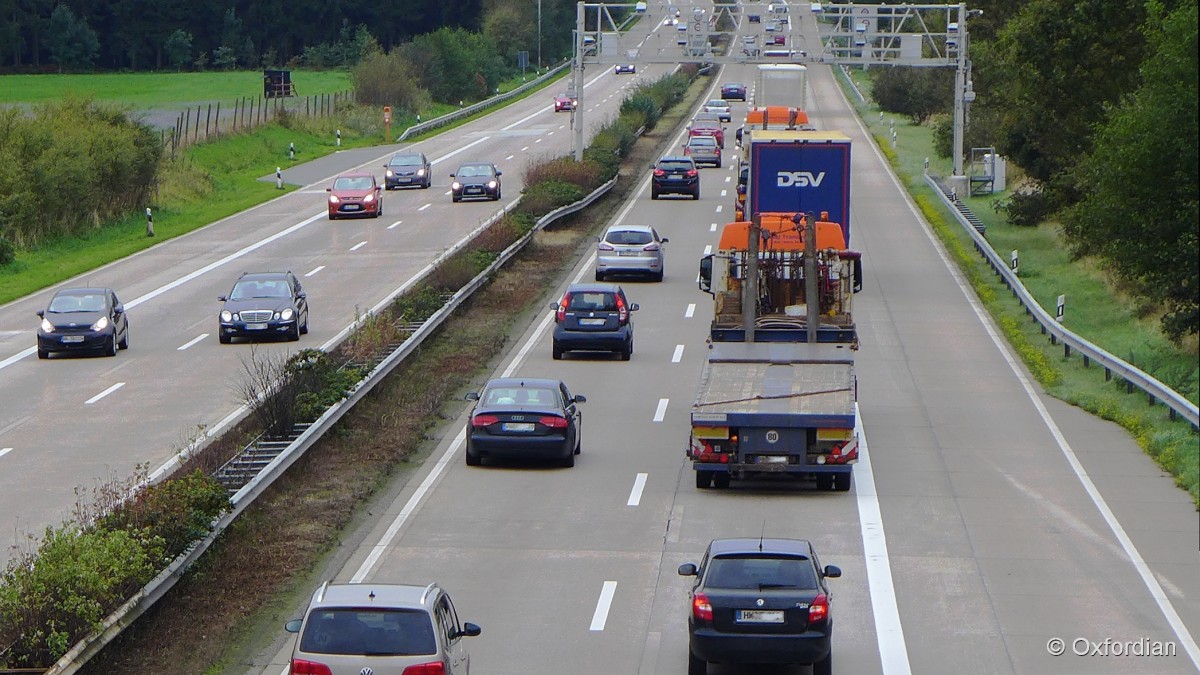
{"points": [[1096, 102]]}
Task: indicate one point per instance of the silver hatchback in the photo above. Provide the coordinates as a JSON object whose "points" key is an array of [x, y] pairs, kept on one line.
{"points": [[630, 249], [384, 629], [703, 150]]}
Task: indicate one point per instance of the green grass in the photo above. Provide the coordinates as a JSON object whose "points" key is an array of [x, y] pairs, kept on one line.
{"points": [[1094, 309], [156, 90]]}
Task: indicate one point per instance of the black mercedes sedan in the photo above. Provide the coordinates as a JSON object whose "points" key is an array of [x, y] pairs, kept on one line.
{"points": [[523, 418], [83, 319], [760, 600], [475, 180], [264, 304]]}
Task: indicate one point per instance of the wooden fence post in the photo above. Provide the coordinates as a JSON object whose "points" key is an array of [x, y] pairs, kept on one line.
{"points": [[207, 121]]}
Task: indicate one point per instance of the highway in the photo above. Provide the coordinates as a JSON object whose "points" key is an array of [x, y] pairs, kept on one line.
{"points": [[986, 520], [71, 422]]}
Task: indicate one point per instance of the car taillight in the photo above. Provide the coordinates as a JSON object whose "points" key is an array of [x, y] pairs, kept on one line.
{"points": [[687, 150], [434, 668], [302, 667], [701, 607], [691, 173], [561, 314], [553, 422], [622, 311], [660, 173], [484, 420], [605, 246], [651, 247], [818, 611]]}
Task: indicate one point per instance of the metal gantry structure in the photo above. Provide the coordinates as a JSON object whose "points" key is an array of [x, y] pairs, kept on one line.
{"points": [[717, 32]]}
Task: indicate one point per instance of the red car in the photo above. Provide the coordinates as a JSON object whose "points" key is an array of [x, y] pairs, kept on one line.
{"points": [[355, 194], [779, 40], [708, 128], [565, 102]]}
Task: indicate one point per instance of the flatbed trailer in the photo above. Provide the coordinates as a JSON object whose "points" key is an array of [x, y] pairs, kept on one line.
{"points": [[774, 408]]}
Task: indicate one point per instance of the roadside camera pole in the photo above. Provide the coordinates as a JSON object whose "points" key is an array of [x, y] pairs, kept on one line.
{"points": [[577, 79]]}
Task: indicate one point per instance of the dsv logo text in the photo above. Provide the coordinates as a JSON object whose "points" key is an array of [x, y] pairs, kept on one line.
{"points": [[799, 179]]}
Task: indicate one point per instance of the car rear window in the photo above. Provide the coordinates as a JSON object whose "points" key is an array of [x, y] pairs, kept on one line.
{"points": [[718, 103], [520, 396], [628, 237], [676, 166], [593, 301], [708, 141], [368, 632], [754, 572]]}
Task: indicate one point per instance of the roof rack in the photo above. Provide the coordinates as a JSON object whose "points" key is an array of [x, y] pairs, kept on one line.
{"points": [[428, 590]]}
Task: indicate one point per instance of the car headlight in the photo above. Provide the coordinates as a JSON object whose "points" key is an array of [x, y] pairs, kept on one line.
{"points": [[420, 172], [369, 198], [226, 316], [492, 184], [333, 199], [287, 314], [47, 327], [456, 186], [101, 323], [389, 173]]}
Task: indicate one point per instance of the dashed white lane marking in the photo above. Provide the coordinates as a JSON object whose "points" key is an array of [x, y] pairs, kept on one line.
{"points": [[675, 358], [720, 207], [509, 157], [724, 192], [427, 205], [661, 411], [707, 249], [104, 393], [635, 495], [358, 246], [191, 342], [728, 178], [394, 224], [600, 616], [524, 148], [5, 451], [538, 141], [691, 310], [713, 228], [549, 133], [316, 269]]}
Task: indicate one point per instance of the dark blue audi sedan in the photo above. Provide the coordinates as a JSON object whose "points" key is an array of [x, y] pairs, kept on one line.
{"points": [[524, 418]]}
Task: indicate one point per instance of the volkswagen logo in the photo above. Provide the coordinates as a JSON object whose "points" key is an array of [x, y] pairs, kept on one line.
{"points": [[760, 602], [366, 671]]}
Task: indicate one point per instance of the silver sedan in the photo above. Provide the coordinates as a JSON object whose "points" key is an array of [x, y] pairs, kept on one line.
{"points": [[630, 249]]}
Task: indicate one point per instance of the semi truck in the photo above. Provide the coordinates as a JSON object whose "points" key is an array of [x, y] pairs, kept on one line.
{"points": [[798, 171], [784, 84]]}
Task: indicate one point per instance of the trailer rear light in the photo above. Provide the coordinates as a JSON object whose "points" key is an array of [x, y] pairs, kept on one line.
{"points": [[561, 314], [818, 611], [302, 667], [434, 668], [484, 420], [553, 422], [702, 608]]}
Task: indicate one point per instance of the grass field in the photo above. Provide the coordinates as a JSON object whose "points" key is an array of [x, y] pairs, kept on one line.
{"points": [[158, 90], [1095, 309]]}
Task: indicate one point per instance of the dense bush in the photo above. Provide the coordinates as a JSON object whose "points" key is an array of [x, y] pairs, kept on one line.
{"points": [[454, 64], [8, 252], [178, 512], [386, 79], [542, 198]]}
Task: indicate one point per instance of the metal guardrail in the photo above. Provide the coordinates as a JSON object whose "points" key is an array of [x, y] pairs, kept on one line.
{"points": [[125, 615], [1133, 377], [482, 105]]}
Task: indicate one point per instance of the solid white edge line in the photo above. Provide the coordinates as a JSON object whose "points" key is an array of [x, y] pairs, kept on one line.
{"points": [[600, 616], [691, 310], [316, 269], [357, 246], [678, 354], [191, 342], [1135, 558], [104, 393], [635, 495], [893, 653], [5, 451], [661, 411]]}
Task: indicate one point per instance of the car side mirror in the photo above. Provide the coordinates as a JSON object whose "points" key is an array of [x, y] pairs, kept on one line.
{"points": [[293, 626], [469, 630], [329, 189], [119, 309], [706, 270], [222, 298], [687, 570], [41, 313], [579, 398], [663, 240], [499, 173], [472, 396], [452, 175], [633, 307], [833, 571], [554, 306], [301, 295]]}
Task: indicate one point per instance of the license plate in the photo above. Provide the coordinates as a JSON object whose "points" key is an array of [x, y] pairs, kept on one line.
{"points": [[675, 177], [72, 338], [772, 459], [256, 326], [517, 426], [591, 322], [759, 616], [351, 207], [474, 191], [628, 253]]}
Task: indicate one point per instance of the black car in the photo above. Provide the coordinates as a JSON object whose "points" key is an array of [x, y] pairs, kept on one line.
{"points": [[475, 180], [407, 169], [733, 91], [524, 418], [760, 601], [593, 317], [675, 175], [83, 319], [264, 304]]}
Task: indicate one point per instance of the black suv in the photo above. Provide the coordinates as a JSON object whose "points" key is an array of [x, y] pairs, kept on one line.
{"points": [[593, 317], [760, 601], [407, 169], [264, 304], [675, 175], [475, 180]]}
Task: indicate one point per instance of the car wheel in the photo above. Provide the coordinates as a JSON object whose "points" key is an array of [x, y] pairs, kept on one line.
{"points": [[294, 334], [379, 210], [654, 194], [578, 443], [696, 194], [721, 480], [841, 482], [225, 339], [824, 666], [568, 461], [696, 665], [124, 343], [497, 195], [627, 351], [304, 326], [659, 275], [43, 354], [718, 163], [428, 183], [111, 349], [455, 198], [703, 482], [473, 460], [556, 352]]}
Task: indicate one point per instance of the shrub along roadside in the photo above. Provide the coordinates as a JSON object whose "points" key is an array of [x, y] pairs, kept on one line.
{"points": [[161, 519]]}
